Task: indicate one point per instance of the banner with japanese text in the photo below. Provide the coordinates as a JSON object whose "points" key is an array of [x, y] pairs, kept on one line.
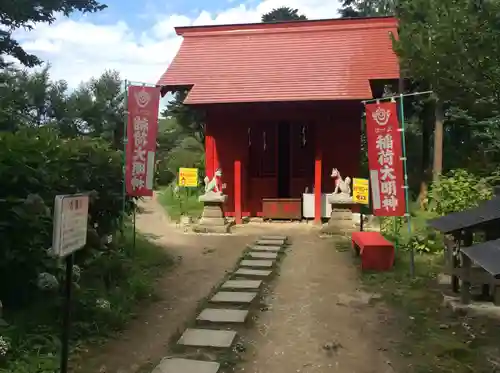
{"points": [[142, 128], [384, 159]]}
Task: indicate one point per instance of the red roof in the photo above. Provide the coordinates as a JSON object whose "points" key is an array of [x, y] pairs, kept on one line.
{"points": [[289, 61]]}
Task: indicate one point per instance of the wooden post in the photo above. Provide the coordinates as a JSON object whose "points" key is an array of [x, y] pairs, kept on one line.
{"points": [[317, 185], [209, 153], [466, 277], [466, 269], [237, 192], [496, 296], [454, 262]]}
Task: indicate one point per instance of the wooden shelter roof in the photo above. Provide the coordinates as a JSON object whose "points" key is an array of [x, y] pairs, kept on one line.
{"points": [[331, 59], [485, 212]]}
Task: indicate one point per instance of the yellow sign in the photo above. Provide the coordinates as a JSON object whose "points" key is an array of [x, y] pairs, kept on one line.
{"points": [[188, 177], [360, 191]]}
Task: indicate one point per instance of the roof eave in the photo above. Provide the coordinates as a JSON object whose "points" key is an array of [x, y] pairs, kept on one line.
{"points": [[184, 30]]}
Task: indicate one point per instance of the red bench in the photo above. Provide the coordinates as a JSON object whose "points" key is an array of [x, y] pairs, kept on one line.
{"points": [[376, 252]]}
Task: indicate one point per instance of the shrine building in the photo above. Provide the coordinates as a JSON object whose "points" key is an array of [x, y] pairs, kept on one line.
{"points": [[282, 106]]}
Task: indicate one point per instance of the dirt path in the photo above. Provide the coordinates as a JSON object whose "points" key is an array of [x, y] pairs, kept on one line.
{"points": [[204, 261], [318, 321]]}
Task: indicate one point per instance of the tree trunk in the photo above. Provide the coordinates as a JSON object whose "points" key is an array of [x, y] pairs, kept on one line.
{"points": [[438, 141], [425, 165]]}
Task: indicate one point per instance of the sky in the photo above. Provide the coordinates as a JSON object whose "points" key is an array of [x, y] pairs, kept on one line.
{"points": [[137, 38]]}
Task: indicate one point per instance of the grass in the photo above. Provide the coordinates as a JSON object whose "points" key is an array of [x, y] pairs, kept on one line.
{"points": [[435, 340], [185, 202], [105, 299]]}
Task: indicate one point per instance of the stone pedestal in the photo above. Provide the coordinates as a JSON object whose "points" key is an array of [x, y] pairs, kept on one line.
{"points": [[212, 218], [341, 221]]}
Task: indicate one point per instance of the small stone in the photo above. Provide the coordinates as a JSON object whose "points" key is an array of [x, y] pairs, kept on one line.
{"points": [[216, 315], [332, 346], [273, 238], [265, 248], [270, 242], [207, 338], [242, 284], [233, 297], [257, 263], [186, 366], [252, 272], [257, 255]]}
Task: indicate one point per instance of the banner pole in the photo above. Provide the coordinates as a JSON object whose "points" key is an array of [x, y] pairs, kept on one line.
{"points": [[135, 234], [406, 186], [124, 188], [391, 98]]}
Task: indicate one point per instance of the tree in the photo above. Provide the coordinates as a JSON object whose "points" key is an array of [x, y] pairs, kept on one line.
{"points": [[190, 120], [367, 8], [283, 14], [16, 14], [32, 99], [468, 83], [99, 108]]}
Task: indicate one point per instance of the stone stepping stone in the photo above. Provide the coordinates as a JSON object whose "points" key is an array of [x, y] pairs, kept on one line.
{"points": [[242, 284], [217, 315], [257, 263], [257, 255], [273, 249], [186, 366], [207, 338], [252, 272], [269, 243], [273, 238], [233, 297]]}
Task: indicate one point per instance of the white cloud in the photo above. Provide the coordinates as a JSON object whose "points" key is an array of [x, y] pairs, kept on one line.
{"points": [[79, 50]]}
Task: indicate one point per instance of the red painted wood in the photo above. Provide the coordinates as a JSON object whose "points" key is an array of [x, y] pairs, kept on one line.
{"points": [[209, 150], [288, 61], [237, 191], [337, 134], [363, 239], [318, 167], [377, 253]]}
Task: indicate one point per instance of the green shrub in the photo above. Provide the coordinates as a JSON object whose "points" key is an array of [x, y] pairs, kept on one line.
{"points": [[102, 303], [421, 238], [457, 191], [35, 166], [181, 201]]}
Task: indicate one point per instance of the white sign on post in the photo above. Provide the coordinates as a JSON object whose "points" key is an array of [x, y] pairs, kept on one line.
{"points": [[70, 223]]}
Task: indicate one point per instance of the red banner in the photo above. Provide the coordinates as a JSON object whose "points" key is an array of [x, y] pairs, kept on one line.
{"points": [[142, 128], [384, 159]]}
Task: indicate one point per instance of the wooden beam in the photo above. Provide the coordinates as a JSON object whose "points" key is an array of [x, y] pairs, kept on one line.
{"points": [[237, 192], [317, 184]]}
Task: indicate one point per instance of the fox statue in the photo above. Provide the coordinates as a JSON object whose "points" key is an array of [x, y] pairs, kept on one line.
{"points": [[213, 185]]}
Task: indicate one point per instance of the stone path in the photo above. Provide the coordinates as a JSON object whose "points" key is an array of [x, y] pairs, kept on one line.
{"points": [[248, 272], [214, 317], [233, 297], [186, 366], [257, 255], [201, 262], [317, 320], [257, 263]]}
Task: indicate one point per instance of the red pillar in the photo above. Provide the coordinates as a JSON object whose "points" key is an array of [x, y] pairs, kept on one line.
{"points": [[209, 155], [317, 184], [237, 191]]}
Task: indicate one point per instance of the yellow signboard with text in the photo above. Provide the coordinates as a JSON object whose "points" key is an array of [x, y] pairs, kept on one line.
{"points": [[360, 191], [188, 177]]}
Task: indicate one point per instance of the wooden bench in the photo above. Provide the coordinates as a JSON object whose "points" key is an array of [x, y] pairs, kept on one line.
{"points": [[376, 252], [471, 266]]}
